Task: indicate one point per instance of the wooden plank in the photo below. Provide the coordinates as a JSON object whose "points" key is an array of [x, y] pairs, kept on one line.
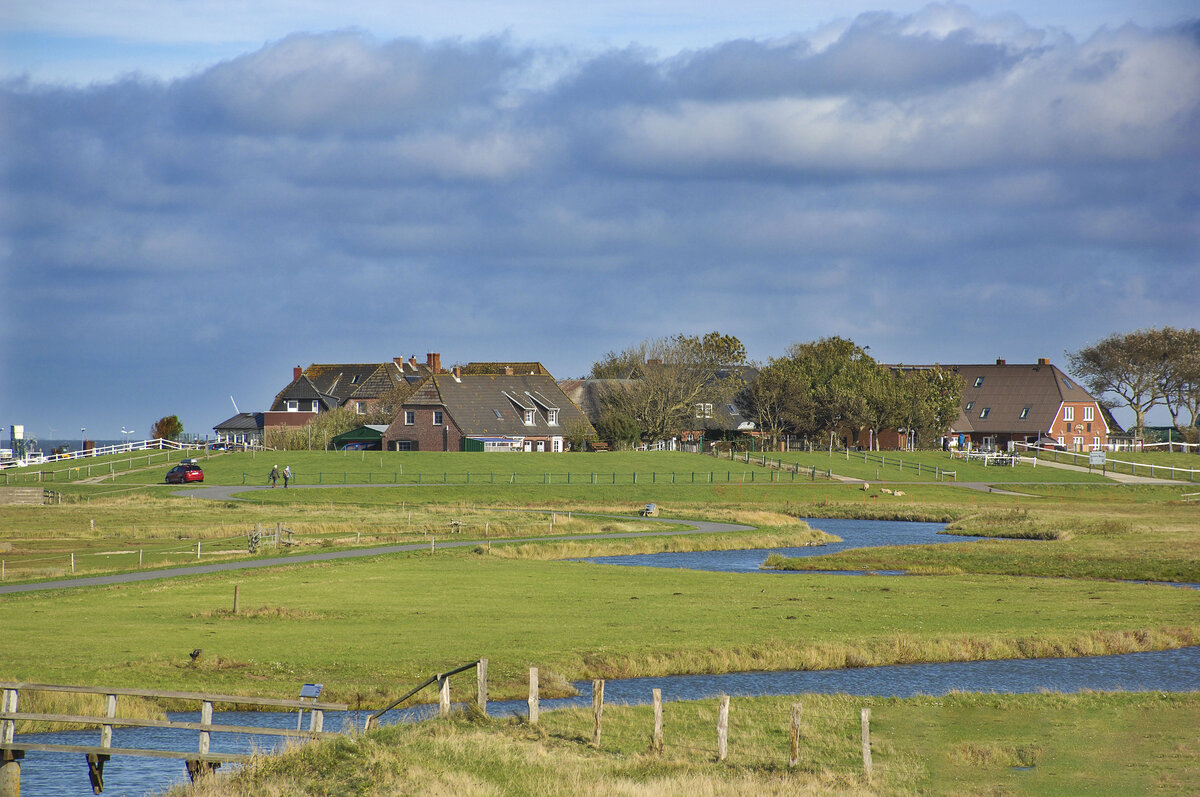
{"points": [[115, 751], [245, 700], [656, 742], [123, 722], [723, 728]]}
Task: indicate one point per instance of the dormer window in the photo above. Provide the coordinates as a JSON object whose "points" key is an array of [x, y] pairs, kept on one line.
{"points": [[552, 417], [529, 417], [293, 405]]}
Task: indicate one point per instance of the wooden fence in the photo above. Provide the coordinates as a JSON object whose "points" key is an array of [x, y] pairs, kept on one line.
{"points": [[199, 761]]}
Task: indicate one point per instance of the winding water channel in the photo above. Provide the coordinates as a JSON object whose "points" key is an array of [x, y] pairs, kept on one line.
{"points": [[65, 775]]}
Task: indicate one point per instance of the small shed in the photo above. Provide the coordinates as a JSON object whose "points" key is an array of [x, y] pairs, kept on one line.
{"points": [[368, 437]]}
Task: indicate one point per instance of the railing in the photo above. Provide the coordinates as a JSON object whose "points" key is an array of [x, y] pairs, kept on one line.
{"points": [[443, 682], [199, 761], [1155, 471], [100, 451]]}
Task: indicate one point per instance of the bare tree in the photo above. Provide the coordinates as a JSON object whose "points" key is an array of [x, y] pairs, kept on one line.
{"points": [[1134, 366]]}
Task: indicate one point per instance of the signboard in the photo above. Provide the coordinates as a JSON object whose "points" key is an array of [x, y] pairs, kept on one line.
{"points": [[311, 690], [1096, 459]]}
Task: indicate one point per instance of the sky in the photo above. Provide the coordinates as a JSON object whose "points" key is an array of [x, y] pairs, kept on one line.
{"points": [[199, 195]]}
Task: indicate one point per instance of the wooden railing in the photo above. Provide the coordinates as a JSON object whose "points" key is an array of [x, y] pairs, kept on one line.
{"points": [[198, 761]]}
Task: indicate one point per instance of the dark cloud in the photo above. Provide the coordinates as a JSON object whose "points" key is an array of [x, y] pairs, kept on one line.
{"points": [[938, 186]]}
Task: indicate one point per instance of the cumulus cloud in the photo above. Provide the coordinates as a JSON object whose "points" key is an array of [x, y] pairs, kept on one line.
{"points": [[915, 179]]}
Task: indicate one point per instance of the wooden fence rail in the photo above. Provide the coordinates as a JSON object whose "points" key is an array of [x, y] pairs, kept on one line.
{"points": [[199, 761]]}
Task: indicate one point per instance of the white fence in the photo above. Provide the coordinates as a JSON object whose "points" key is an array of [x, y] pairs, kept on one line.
{"points": [[99, 451]]}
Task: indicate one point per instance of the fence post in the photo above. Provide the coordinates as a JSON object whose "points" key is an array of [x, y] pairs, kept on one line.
{"points": [[597, 709], [656, 744], [866, 741], [205, 719], [533, 695], [236, 588], [723, 728], [794, 735], [444, 695], [110, 711], [481, 685], [10, 762]]}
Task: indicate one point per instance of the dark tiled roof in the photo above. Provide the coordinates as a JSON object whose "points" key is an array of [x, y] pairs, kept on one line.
{"points": [[1007, 390], [242, 422], [493, 404], [302, 389]]}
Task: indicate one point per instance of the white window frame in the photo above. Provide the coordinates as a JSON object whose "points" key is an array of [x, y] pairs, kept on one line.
{"points": [[1024, 412], [314, 406], [552, 417], [438, 418], [556, 444], [293, 405], [360, 407], [1076, 443], [1096, 443], [1068, 413], [410, 417], [1089, 414], [528, 418], [978, 381], [986, 411]]}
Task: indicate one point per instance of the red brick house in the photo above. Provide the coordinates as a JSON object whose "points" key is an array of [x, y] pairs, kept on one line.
{"points": [[493, 409], [325, 386]]}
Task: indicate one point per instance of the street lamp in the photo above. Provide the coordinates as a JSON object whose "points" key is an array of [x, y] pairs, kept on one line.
{"points": [[82, 439]]}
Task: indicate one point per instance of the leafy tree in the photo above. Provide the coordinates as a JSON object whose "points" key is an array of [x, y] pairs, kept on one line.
{"points": [[1181, 382], [618, 429], [579, 435], [670, 377], [779, 400], [1135, 366], [169, 427]]}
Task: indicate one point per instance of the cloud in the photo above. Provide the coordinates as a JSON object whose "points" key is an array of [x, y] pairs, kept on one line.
{"points": [[941, 182]]}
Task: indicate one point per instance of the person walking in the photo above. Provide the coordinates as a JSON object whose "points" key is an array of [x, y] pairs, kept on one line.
{"points": [[287, 474], [273, 475]]}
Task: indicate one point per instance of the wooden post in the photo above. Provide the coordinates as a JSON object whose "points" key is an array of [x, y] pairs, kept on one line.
{"points": [[197, 550], [866, 741], [205, 719], [481, 685], [72, 561], [316, 720], [656, 744], [533, 695], [597, 709], [723, 728], [8, 704], [794, 735], [236, 588], [443, 696], [110, 711]]}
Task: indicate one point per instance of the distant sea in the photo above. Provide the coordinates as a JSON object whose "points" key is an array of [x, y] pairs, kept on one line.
{"points": [[46, 446]]}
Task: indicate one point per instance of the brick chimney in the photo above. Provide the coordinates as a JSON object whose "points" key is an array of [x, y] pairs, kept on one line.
{"points": [[296, 373], [1000, 362], [434, 361], [1043, 360], [457, 374], [412, 361], [508, 371]]}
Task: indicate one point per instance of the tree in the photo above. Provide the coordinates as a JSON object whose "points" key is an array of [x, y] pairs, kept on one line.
{"points": [[579, 434], [670, 377], [1181, 382], [779, 400], [1134, 366], [169, 427], [618, 429]]}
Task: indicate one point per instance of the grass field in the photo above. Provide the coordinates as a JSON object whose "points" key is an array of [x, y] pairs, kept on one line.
{"points": [[1084, 744], [369, 629]]}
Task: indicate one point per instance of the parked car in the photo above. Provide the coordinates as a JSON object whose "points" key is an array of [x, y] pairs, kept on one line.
{"points": [[185, 472]]}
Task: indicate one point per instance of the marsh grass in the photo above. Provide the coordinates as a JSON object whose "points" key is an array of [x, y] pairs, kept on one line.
{"points": [[75, 704]]}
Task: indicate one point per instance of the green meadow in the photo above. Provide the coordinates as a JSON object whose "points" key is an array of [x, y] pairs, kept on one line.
{"points": [[1048, 578]]}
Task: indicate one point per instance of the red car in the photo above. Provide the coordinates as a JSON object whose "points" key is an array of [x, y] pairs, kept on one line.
{"points": [[185, 472]]}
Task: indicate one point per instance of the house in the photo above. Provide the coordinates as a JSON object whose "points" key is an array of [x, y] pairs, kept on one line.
{"points": [[719, 418], [484, 411], [359, 386], [1004, 404], [245, 428]]}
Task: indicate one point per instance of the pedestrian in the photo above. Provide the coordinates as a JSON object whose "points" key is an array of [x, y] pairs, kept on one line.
{"points": [[287, 474], [273, 475]]}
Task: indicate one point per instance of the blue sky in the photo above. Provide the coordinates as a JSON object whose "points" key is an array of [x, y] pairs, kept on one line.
{"points": [[198, 196]]}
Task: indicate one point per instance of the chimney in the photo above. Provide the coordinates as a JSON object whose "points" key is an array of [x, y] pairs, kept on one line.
{"points": [[434, 361], [296, 373], [412, 361], [508, 371], [457, 374], [1043, 360], [399, 361], [1000, 362]]}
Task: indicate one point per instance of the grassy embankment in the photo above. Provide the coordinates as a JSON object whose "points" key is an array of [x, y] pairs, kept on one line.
{"points": [[958, 744]]}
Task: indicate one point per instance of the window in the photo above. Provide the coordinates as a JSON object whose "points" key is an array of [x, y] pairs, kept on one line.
{"points": [[732, 410], [970, 406], [405, 445], [354, 379], [1089, 413], [314, 406], [498, 415], [410, 417], [1077, 443], [1089, 427], [1067, 382], [437, 417], [1096, 443], [528, 418], [552, 418], [1024, 412], [293, 405], [557, 444], [1068, 413], [1060, 439], [985, 412], [979, 381], [360, 407]]}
